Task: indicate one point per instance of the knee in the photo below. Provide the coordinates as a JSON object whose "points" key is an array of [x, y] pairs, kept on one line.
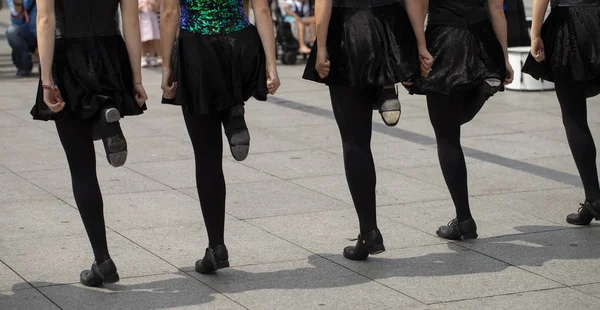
{"points": [[356, 147], [12, 33]]}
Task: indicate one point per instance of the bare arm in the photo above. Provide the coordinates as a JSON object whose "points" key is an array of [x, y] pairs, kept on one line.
{"points": [[169, 20], [133, 39], [322, 17], [417, 10], [539, 11], [264, 25], [46, 26], [496, 9]]}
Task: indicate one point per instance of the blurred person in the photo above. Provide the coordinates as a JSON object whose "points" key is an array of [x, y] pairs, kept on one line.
{"points": [[21, 34], [90, 76], [362, 46], [298, 11], [566, 51], [218, 62], [464, 52], [150, 32]]}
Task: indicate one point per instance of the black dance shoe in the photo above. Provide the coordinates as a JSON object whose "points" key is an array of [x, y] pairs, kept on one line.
{"points": [[456, 230], [369, 243], [237, 133], [478, 97], [586, 213], [389, 106], [108, 129], [106, 272], [214, 259]]}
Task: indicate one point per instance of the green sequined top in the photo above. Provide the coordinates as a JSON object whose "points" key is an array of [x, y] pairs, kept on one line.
{"points": [[213, 16]]}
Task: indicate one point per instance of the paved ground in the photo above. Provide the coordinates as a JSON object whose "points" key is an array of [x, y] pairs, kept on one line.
{"points": [[290, 213]]}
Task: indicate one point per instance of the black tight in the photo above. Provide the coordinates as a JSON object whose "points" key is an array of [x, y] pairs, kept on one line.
{"points": [[447, 115], [76, 139], [573, 104], [207, 141], [353, 110]]}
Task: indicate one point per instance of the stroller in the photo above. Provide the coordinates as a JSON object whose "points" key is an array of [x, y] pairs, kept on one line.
{"points": [[286, 43]]}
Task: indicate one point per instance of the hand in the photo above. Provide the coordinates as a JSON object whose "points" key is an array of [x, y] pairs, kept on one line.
{"points": [[140, 94], [53, 98], [169, 89], [510, 73], [323, 65], [426, 61], [273, 82], [537, 49]]}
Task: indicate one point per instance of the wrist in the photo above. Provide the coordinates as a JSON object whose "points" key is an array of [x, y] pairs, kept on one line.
{"points": [[271, 66], [47, 81]]}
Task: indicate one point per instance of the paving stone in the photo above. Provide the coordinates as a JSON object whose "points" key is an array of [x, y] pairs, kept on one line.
{"points": [[25, 299], [112, 181], [431, 274], [327, 233], [568, 256], [392, 188], [15, 188], [181, 173], [309, 284], [64, 257], [10, 281], [262, 199], [183, 245], [30, 220], [297, 164], [170, 291]]}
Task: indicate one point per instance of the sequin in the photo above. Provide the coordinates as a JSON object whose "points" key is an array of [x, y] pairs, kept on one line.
{"points": [[213, 16]]}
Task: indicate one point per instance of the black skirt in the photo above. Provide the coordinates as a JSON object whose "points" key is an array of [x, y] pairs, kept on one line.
{"points": [[91, 73], [571, 38], [463, 58], [368, 46], [217, 72]]}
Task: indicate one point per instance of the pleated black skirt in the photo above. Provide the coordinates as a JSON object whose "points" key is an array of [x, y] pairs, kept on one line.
{"points": [[571, 38], [368, 46], [463, 58], [217, 72], [91, 73]]}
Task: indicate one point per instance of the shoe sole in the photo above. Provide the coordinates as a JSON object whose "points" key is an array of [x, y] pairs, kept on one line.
{"points": [[239, 142], [111, 115], [376, 249], [579, 223], [390, 112], [116, 150]]}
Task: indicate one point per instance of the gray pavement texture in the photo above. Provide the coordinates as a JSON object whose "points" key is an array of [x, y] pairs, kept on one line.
{"points": [[290, 213]]}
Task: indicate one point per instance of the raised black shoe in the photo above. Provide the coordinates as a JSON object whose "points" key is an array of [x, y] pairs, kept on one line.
{"points": [[389, 106], [370, 243], [234, 123], [478, 97], [107, 128]]}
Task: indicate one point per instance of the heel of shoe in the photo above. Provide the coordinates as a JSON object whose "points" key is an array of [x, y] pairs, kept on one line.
{"points": [[111, 115], [376, 249], [111, 278], [468, 236], [222, 264]]}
